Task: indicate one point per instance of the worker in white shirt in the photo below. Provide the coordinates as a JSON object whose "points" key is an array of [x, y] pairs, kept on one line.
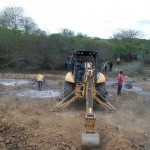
{"points": [[88, 65]]}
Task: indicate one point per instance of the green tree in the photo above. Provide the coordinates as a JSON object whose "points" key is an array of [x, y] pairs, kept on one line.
{"points": [[11, 18], [28, 25], [127, 35]]}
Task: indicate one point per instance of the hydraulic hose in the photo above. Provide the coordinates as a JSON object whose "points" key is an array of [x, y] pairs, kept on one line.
{"points": [[89, 94]]}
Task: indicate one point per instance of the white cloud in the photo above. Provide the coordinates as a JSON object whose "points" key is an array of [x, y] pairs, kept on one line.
{"points": [[99, 18]]}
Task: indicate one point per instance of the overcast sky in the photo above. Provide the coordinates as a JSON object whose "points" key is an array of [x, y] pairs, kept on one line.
{"points": [[96, 18]]}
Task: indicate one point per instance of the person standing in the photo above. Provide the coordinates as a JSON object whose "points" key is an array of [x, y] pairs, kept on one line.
{"points": [[88, 65], [118, 61], [120, 80], [106, 65], [40, 78], [130, 57], [110, 65]]}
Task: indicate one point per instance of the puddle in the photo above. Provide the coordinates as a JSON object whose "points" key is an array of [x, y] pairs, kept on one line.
{"points": [[111, 83], [135, 89], [31, 93], [46, 93], [147, 93], [138, 90], [14, 82]]}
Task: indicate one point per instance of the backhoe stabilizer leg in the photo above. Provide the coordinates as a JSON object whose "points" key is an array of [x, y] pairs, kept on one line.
{"points": [[111, 106], [57, 106], [106, 104], [101, 100], [63, 104]]}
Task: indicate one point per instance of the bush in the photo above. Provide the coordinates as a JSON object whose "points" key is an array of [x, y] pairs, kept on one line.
{"points": [[130, 69], [134, 69]]}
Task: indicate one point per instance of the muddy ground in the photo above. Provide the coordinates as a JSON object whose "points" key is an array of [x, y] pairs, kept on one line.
{"points": [[26, 122]]}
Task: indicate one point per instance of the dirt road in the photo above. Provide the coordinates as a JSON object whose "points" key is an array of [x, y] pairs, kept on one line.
{"points": [[26, 122]]}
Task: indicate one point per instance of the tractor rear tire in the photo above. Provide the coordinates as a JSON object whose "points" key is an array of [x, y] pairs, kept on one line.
{"points": [[68, 88], [101, 88]]}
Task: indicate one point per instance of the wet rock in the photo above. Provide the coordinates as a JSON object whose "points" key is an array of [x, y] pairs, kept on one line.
{"points": [[128, 86], [146, 79]]}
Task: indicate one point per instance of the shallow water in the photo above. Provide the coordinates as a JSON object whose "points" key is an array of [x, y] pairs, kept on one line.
{"points": [[14, 82], [135, 89], [32, 93], [24, 92], [110, 83], [49, 93]]}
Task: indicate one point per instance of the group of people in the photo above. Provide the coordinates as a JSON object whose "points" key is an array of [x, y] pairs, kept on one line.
{"points": [[128, 57], [108, 64], [120, 80]]}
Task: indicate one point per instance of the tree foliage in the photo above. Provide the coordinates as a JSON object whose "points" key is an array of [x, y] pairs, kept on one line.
{"points": [[127, 35], [11, 18], [28, 25], [25, 46]]}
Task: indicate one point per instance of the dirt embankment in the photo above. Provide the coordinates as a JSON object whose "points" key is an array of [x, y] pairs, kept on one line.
{"points": [[30, 129]]}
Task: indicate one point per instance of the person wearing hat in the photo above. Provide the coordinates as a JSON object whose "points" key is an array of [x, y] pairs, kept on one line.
{"points": [[120, 80]]}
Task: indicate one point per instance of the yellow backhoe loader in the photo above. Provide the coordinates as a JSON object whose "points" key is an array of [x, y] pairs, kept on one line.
{"points": [[86, 82]]}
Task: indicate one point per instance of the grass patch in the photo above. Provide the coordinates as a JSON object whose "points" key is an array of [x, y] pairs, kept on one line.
{"points": [[134, 69], [131, 69], [140, 111]]}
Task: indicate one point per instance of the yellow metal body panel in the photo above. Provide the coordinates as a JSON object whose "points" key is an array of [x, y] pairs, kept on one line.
{"points": [[100, 78], [69, 77], [90, 123], [81, 91]]}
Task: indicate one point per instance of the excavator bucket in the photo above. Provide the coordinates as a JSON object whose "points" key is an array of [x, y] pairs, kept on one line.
{"points": [[90, 141], [90, 138]]}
